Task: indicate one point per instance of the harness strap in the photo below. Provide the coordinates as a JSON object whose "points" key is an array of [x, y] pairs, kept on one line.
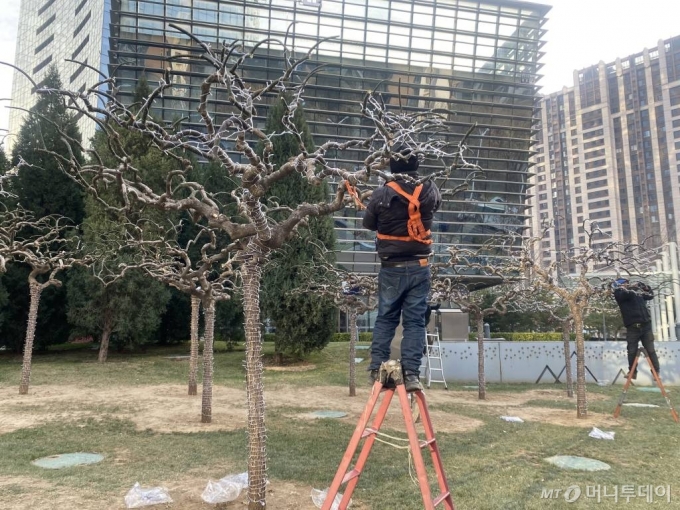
{"points": [[355, 195], [414, 226]]}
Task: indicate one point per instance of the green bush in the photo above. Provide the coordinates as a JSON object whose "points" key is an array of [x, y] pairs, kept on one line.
{"points": [[337, 337], [344, 337]]}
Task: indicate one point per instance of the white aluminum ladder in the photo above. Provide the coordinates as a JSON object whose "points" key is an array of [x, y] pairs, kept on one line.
{"points": [[434, 365]]}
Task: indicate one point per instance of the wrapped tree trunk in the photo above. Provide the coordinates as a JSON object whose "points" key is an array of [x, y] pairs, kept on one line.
{"points": [[206, 401], [581, 399], [35, 291], [193, 353], [566, 330], [257, 456], [480, 358], [352, 352], [104, 343]]}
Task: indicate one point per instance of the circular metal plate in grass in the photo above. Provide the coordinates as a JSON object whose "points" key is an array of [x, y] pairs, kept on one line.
{"points": [[578, 463], [636, 404], [68, 460], [651, 389], [329, 414]]}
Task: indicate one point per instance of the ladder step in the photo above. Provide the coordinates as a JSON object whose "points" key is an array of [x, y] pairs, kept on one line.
{"points": [[441, 498], [423, 444], [354, 473]]}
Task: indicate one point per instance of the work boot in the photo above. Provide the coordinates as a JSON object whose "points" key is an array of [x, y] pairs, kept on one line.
{"points": [[634, 375], [374, 376], [412, 381]]}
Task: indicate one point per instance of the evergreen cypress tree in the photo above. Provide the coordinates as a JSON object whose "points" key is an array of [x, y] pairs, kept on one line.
{"points": [[304, 323], [42, 187], [126, 313], [129, 311], [4, 162]]}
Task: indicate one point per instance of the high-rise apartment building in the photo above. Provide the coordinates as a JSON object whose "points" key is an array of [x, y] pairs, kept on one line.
{"points": [[476, 60], [609, 152]]}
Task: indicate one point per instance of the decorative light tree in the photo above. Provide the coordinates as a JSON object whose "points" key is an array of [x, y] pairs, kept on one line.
{"points": [[47, 247]]}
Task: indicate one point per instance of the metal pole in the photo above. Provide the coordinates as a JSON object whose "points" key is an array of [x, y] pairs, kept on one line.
{"points": [[668, 300], [675, 281], [655, 317], [656, 303]]}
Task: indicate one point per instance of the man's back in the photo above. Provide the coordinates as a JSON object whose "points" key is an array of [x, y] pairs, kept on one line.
{"points": [[388, 214]]}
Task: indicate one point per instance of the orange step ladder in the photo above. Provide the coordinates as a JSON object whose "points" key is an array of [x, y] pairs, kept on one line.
{"points": [[391, 371], [656, 377]]}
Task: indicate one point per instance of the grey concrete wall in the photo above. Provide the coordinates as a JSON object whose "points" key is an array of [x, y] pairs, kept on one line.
{"points": [[515, 362]]}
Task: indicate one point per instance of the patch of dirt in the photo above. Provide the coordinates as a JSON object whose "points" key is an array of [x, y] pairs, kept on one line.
{"points": [[509, 398], [25, 493], [168, 408], [297, 367], [566, 417]]}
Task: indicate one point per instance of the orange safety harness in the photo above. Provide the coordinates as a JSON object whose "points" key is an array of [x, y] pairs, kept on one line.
{"points": [[415, 227]]}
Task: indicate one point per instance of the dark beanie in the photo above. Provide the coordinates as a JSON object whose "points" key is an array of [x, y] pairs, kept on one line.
{"points": [[404, 166]]}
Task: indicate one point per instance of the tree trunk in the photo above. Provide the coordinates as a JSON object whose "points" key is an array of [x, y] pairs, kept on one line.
{"points": [[480, 359], [278, 356], [352, 353], [581, 401], [257, 443], [104, 343], [35, 290], [193, 353], [209, 335], [566, 330]]}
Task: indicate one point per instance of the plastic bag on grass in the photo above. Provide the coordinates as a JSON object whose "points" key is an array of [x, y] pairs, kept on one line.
{"points": [[318, 497], [139, 496], [225, 489], [600, 434], [512, 419]]}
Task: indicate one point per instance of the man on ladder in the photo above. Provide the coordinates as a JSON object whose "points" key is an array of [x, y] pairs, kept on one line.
{"points": [[401, 212], [632, 300]]}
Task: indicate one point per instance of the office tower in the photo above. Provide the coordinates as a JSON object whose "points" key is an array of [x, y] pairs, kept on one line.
{"points": [[609, 152], [477, 61], [52, 32]]}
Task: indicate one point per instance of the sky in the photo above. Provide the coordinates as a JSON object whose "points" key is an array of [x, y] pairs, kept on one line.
{"points": [[580, 34]]}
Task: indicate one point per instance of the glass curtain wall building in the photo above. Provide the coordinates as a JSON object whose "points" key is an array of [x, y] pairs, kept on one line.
{"points": [[479, 60]]}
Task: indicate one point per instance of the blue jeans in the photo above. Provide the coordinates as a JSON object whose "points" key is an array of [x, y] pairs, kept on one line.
{"points": [[402, 295]]}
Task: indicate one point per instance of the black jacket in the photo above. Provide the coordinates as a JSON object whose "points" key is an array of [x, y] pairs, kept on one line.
{"points": [[632, 302], [387, 212]]}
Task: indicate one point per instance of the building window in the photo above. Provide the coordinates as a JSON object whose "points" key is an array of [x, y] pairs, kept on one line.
{"points": [[45, 6], [42, 64], [80, 7], [82, 24], [44, 44], [46, 24]]}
